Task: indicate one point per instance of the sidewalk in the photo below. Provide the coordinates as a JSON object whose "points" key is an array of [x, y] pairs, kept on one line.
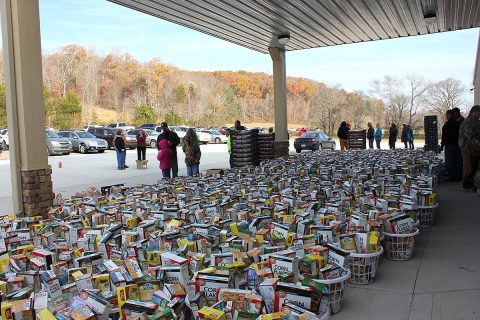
{"points": [[441, 281]]}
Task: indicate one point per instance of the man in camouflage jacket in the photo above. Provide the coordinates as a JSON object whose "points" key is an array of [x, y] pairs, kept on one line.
{"points": [[469, 142]]}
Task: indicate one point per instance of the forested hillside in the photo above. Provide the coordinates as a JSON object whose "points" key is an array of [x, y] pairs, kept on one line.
{"points": [[78, 81]]}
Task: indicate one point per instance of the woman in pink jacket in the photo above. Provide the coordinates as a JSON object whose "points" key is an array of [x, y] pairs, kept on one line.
{"points": [[165, 156]]}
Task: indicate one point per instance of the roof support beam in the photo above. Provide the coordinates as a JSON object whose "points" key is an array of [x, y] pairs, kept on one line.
{"points": [[280, 101]]}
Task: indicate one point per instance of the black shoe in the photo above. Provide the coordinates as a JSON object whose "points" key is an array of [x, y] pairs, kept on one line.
{"points": [[126, 167]]}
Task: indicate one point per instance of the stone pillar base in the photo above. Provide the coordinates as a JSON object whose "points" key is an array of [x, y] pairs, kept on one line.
{"points": [[281, 149], [37, 191]]}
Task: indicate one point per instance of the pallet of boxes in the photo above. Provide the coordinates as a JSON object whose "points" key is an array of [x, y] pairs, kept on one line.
{"points": [[357, 140], [266, 146], [245, 148]]}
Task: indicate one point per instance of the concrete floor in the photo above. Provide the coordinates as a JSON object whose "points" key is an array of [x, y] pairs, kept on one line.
{"points": [[441, 281]]}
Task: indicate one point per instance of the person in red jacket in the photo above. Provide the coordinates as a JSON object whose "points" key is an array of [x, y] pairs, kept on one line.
{"points": [[141, 145], [165, 156]]}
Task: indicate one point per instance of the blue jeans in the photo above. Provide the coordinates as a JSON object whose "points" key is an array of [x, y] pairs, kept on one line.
{"points": [[120, 159], [378, 142], [193, 170], [370, 143]]}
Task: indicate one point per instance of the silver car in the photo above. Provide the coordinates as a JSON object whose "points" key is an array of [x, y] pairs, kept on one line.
{"points": [[84, 142], [57, 145], [217, 137]]}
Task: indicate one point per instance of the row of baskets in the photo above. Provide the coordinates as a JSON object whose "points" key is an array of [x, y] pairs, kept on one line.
{"points": [[363, 267]]}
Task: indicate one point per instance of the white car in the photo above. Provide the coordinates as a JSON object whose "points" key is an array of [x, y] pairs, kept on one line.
{"points": [[120, 125], [217, 137], [4, 141], [203, 136]]}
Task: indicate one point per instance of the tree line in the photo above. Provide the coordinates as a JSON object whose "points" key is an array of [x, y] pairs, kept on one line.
{"points": [[77, 81]]}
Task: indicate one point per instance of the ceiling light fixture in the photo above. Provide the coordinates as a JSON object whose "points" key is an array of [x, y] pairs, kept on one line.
{"points": [[430, 18], [283, 39]]}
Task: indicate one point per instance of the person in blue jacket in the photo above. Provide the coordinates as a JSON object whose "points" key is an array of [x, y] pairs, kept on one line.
{"points": [[378, 135]]}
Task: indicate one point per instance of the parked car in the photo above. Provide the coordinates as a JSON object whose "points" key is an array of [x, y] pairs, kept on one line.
{"points": [[131, 140], [107, 134], [4, 141], [203, 135], [313, 141], [150, 126], [217, 137], [57, 145], [152, 136], [84, 142], [88, 126], [120, 125]]}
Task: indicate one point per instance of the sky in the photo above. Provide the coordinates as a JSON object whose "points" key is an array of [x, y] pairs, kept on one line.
{"points": [[106, 27]]}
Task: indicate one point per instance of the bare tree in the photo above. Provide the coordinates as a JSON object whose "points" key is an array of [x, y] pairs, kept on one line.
{"points": [[445, 95], [396, 102], [417, 94]]}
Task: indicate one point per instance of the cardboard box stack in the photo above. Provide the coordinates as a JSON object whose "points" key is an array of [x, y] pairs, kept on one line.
{"points": [[245, 148], [255, 242]]}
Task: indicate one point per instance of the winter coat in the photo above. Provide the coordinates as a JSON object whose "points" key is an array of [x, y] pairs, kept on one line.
{"points": [[165, 155], [469, 135], [450, 132], [410, 135], [141, 140], [343, 132], [192, 153], [405, 134], [171, 137], [378, 134], [370, 133], [393, 134]]}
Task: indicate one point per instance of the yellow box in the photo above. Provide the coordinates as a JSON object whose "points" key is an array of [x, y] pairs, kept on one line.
{"points": [[208, 313], [153, 258], [7, 310], [101, 282], [131, 223], [124, 293], [373, 241], [45, 315]]}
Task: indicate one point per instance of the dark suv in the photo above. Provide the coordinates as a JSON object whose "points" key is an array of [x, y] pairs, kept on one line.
{"points": [[105, 134]]}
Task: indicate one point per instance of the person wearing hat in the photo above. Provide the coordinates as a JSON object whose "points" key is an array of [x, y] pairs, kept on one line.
{"points": [[469, 142], [173, 142]]}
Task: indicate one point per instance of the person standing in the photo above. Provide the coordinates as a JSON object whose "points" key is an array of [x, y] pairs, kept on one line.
{"points": [[370, 135], [453, 155], [342, 134], [124, 138], [165, 156], [458, 116], [404, 137], [141, 145], [410, 137], [238, 126], [191, 148], [120, 150], [173, 142], [392, 136], [229, 146], [469, 142], [378, 136]]}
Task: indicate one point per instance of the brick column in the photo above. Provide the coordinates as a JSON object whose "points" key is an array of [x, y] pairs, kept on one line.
{"points": [[37, 191]]}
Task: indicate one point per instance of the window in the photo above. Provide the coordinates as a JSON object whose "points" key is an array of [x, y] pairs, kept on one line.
{"points": [[112, 125], [309, 135], [122, 124], [51, 134], [82, 134]]}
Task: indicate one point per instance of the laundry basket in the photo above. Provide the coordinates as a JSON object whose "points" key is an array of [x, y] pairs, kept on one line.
{"points": [[399, 246], [426, 215], [363, 267], [333, 289]]}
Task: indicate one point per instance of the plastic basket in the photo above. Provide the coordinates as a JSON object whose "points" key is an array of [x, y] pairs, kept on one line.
{"points": [[333, 288], [399, 247], [364, 267], [426, 215]]}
